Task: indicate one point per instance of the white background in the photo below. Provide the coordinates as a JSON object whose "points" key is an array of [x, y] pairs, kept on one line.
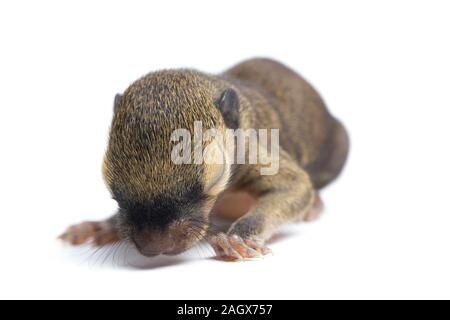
{"points": [[382, 66]]}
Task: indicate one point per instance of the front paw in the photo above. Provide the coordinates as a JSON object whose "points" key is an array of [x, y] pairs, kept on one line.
{"points": [[234, 248], [98, 233]]}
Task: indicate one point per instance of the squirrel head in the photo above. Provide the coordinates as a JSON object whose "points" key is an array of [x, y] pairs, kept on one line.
{"points": [[164, 205]]}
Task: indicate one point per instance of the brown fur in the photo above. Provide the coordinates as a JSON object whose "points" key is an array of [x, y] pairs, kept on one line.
{"points": [[138, 167], [280, 98]]}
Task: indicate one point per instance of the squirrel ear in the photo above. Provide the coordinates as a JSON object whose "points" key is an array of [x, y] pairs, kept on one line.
{"points": [[228, 106], [117, 100]]}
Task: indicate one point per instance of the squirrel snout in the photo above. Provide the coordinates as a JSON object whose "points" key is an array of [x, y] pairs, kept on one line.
{"points": [[178, 237]]}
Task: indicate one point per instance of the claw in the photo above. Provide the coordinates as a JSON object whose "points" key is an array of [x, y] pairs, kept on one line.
{"points": [[243, 249], [261, 248]]}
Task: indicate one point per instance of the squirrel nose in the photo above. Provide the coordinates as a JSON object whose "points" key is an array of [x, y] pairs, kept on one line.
{"points": [[145, 249], [176, 238], [149, 253]]}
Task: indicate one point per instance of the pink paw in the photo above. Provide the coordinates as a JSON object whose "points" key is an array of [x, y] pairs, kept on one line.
{"points": [[234, 248], [97, 233]]}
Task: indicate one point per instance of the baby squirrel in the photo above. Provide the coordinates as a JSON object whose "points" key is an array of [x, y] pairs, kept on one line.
{"points": [[165, 208]]}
